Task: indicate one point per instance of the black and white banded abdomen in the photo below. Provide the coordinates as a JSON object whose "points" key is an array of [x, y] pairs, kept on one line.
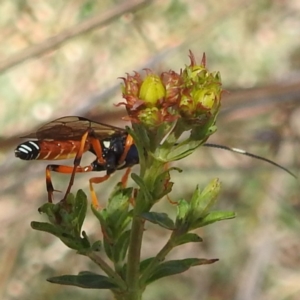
{"points": [[49, 149], [28, 150]]}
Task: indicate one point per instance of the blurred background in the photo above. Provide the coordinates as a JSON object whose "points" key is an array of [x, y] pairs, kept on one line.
{"points": [[61, 58]]}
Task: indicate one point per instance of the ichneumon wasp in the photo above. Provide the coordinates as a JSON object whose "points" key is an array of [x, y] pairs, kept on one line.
{"points": [[70, 137]]}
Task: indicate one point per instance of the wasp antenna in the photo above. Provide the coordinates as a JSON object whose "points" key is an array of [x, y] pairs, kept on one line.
{"points": [[243, 152]]}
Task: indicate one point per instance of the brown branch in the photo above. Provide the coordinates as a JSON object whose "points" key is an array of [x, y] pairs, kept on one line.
{"points": [[88, 25]]}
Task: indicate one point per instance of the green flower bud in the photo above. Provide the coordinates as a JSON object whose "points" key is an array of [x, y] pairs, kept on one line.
{"points": [[201, 94], [152, 90], [149, 116], [183, 209], [202, 201]]}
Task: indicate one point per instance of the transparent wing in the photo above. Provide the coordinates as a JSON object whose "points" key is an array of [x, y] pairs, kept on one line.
{"points": [[72, 128]]}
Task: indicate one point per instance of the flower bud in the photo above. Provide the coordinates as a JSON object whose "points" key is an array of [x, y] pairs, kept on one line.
{"points": [[201, 94], [172, 82], [150, 116], [152, 90]]}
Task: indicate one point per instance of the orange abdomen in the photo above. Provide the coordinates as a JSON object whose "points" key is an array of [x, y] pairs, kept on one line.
{"points": [[49, 150]]}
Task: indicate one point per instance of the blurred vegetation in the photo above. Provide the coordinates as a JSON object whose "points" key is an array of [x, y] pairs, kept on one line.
{"points": [[64, 58]]}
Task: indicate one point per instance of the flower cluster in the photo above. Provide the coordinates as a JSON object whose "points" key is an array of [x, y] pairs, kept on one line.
{"points": [[192, 95]]}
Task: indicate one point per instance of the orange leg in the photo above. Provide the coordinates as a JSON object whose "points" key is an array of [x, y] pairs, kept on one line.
{"points": [[172, 202], [98, 150], [133, 197], [125, 177], [93, 194], [128, 143], [61, 169], [68, 170], [77, 161], [96, 180]]}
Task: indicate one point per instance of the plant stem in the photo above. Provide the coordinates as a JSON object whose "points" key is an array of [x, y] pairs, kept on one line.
{"points": [[156, 260], [149, 174], [134, 254], [107, 269]]}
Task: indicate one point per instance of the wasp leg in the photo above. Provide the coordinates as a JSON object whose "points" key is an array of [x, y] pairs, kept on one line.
{"points": [[128, 143], [77, 161], [133, 197], [125, 177], [95, 201], [171, 201], [96, 180], [98, 150], [65, 170], [49, 185]]}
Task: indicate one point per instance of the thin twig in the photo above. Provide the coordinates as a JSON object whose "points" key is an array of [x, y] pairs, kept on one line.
{"points": [[66, 35]]}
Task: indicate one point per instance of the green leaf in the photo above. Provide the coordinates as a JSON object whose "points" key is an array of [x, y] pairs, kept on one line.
{"points": [[183, 212], [140, 136], [182, 150], [114, 219], [173, 267], [203, 132], [108, 247], [212, 217], [121, 247], [67, 215], [117, 218], [145, 263], [139, 181], [188, 238], [86, 280], [100, 215], [161, 219], [183, 208], [80, 208], [141, 141], [73, 242], [51, 210], [96, 246], [46, 227], [162, 185]]}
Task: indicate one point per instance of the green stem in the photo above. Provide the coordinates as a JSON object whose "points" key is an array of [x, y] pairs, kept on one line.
{"points": [[107, 269], [156, 261], [149, 174], [134, 255]]}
